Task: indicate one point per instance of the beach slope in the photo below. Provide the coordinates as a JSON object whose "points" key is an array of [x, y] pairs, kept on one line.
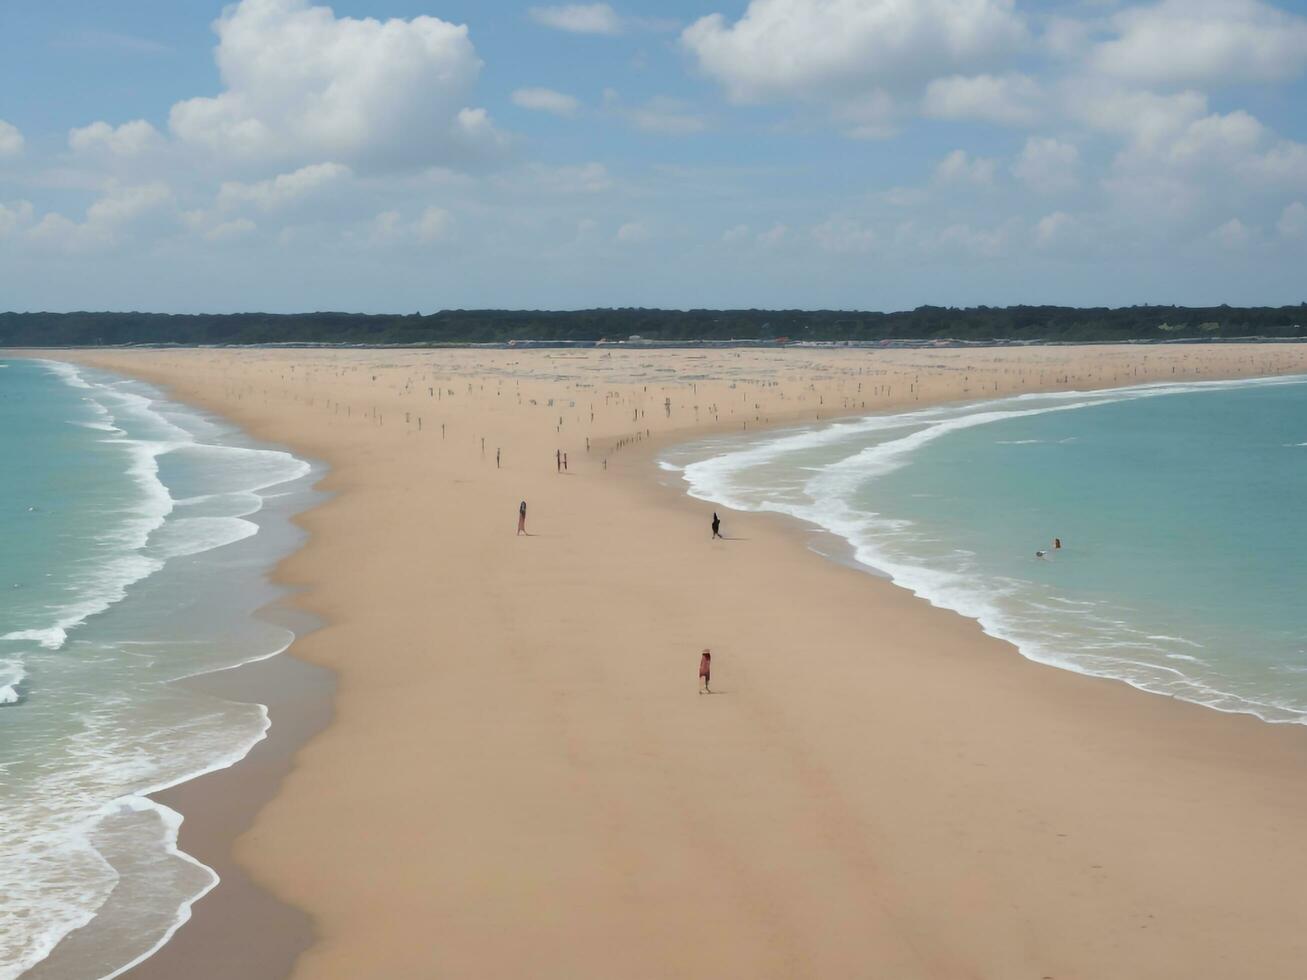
{"points": [[520, 779]]}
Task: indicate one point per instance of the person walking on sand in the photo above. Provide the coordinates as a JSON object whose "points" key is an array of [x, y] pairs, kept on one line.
{"points": [[558, 459], [521, 518], [716, 525], [705, 669]]}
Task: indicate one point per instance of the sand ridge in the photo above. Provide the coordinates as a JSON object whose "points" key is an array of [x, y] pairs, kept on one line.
{"points": [[521, 780]]}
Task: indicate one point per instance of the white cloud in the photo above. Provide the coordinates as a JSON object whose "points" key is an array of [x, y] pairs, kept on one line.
{"points": [[773, 235], [546, 100], [15, 216], [267, 195], [300, 84], [844, 235], [120, 211], [128, 140], [1052, 229], [959, 167], [434, 225], [1293, 221], [123, 205], [1218, 138], [633, 232], [738, 233], [796, 49], [1197, 42], [474, 132], [579, 18], [11, 140], [56, 231], [1148, 119], [1182, 169], [1066, 37], [1048, 165], [1283, 163], [1222, 146], [1010, 100], [230, 230], [1234, 234]]}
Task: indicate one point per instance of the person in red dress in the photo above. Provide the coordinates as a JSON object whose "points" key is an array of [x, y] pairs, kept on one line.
{"points": [[705, 669]]}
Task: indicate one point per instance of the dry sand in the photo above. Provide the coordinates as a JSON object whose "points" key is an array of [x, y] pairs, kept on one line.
{"points": [[520, 779]]}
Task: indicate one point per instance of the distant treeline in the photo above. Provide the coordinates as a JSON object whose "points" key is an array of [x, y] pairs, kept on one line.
{"points": [[1021, 323]]}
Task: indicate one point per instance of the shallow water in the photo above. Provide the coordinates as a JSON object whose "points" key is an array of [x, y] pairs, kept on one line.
{"points": [[139, 534], [1179, 508]]}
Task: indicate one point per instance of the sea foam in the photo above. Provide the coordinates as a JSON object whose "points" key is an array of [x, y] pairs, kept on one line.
{"points": [[86, 806], [821, 475]]}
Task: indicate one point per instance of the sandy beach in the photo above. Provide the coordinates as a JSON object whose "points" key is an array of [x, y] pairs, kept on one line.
{"points": [[519, 778]]}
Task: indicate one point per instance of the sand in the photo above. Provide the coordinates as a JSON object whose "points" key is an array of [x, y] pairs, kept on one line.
{"points": [[520, 779]]}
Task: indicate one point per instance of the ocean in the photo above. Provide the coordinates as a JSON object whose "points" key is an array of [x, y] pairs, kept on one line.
{"points": [[138, 537], [1179, 508]]}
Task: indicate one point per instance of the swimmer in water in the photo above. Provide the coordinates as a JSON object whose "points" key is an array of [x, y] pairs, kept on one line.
{"points": [[1041, 554]]}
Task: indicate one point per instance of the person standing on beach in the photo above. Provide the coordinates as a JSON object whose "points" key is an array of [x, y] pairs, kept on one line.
{"points": [[716, 525], [705, 670], [558, 459], [521, 518]]}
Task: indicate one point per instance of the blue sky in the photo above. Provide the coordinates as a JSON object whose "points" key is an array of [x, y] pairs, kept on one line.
{"points": [[400, 155]]}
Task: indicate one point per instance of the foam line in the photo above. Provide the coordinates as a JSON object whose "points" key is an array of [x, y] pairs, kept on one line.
{"points": [[140, 542], [822, 498]]}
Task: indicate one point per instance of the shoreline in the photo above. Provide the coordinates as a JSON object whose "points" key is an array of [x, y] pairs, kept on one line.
{"points": [[841, 550], [215, 808], [215, 804], [671, 507], [219, 806]]}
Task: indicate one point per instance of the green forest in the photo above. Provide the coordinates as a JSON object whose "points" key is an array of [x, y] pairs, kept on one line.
{"points": [[976, 324]]}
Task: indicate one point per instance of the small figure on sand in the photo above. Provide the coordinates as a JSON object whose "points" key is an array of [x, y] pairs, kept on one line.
{"points": [[564, 462], [521, 518], [705, 669], [558, 459], [716, 525]]}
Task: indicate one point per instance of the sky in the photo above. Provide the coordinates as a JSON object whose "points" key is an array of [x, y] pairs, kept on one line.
{"points": [[416, 155]]}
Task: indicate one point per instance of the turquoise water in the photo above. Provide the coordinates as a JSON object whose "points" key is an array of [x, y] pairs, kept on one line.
{"points": [[1180, 510], [138, 534]]}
